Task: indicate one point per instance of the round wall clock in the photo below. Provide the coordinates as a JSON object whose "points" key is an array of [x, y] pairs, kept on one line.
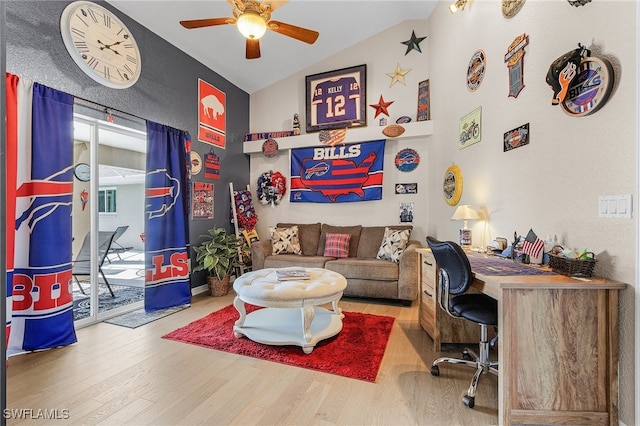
{"points": [[100, 44], [590, 88], [452, 185], [82, 172]]}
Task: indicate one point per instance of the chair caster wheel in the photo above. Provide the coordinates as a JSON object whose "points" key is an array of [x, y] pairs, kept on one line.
{"points": [[466, 356], [435, 370], [469, 401]]}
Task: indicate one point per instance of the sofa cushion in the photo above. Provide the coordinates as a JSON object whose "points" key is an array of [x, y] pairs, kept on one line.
{"points": [[371, 239], [308, 234], [286, 260], [285, 240], [365, 269], [393, 244], [336, 245], [354, 231]]}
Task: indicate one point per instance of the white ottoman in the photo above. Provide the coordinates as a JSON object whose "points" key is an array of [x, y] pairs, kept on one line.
{"points": [[292, 315]]}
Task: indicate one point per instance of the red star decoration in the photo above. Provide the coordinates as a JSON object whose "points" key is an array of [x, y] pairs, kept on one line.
{"points": [[381, 107]]}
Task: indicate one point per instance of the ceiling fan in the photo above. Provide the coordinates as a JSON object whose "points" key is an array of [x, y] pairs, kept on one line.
{"points": [[253, 18]]}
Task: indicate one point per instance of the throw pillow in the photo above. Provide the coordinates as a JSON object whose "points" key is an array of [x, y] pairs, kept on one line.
{"points": [[285, 240], [337, 245], [393, 244]]}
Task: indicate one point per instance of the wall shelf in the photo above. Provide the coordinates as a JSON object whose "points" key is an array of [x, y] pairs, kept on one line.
{"points": [[414, 129]]}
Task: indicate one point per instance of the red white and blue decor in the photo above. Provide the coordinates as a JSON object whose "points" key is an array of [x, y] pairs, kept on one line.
{"points": [[338, 174]]}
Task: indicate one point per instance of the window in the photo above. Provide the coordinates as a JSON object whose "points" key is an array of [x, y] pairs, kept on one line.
{"points": [[107, 200]]}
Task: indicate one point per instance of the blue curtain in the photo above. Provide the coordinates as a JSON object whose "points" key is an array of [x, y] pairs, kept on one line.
{"points": [[166, 219], [41, 299]]}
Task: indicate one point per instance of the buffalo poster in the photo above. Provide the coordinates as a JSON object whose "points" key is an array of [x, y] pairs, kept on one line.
{"points": [[338, 174], [212, 122]]}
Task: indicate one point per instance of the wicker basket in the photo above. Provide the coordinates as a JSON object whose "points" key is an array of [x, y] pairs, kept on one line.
{"points": [[218, 287], [572, 267]]}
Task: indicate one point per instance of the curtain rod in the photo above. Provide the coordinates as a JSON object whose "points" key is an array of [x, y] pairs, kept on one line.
{"points": [[107, 109]]}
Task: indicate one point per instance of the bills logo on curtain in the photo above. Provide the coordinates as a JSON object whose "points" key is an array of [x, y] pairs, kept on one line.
{"points": [[338, 174], [167, 221], [39, 192]]}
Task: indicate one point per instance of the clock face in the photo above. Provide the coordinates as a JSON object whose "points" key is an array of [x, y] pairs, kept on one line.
{"points": [[82, 172], [100, 44]]}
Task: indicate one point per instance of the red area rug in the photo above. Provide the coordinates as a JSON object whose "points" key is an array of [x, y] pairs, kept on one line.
{"points": [[356, 352]]}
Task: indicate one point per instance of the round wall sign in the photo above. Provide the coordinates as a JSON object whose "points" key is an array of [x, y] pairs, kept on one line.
{"points": [[590, 88], [195, 163], [452, 185], [270, 148], [407, 160], [476, 69]]}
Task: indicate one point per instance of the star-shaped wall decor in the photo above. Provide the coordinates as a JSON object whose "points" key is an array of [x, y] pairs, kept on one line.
{"points": [[413, 43], [398, 75], [381, 107]]}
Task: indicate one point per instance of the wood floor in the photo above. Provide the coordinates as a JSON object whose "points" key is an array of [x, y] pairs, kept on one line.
{"points": [[117, 376]]}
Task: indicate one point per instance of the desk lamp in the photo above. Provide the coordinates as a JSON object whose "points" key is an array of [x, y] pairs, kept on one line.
{"points": [[464, 212]]}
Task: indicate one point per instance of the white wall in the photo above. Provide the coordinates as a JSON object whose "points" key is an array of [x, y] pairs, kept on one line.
{"points": [[381, 54], [551, 185]]}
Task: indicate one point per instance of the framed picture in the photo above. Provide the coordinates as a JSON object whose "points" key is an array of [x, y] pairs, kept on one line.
{"points": [[336, 99]]}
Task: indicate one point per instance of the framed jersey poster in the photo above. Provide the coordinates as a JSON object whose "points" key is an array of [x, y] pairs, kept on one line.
{"points": [[336, 99]]}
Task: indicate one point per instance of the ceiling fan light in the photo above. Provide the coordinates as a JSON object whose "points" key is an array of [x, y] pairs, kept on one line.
{"points": [[251, 25]]}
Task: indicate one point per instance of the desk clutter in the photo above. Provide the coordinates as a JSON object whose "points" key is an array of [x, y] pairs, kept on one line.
{"points": [[533, 250]]}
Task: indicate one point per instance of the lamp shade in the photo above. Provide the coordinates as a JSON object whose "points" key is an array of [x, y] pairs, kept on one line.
{"points": [[251, 25], [464, 212]]}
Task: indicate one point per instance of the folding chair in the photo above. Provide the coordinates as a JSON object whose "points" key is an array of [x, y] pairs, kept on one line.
{"points": [[81, 265]]}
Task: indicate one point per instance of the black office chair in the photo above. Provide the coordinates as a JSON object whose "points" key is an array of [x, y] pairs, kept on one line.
{"points": [[455, 278]]}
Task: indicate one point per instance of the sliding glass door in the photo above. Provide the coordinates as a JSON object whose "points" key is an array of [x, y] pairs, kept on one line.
{"points": [[108, 219]]}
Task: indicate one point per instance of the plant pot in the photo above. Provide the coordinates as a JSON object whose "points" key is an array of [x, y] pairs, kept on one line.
{"points": [[218, 287]]}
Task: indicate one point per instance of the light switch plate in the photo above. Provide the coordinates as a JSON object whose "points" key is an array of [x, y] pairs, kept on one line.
{"points": [[615, 206]]}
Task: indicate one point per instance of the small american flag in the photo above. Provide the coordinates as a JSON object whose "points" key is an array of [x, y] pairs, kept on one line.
{"points": [[332, 137], [532, 245]]}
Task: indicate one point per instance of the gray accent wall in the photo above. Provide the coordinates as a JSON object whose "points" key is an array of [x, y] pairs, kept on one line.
{"points": [[166, 93]]}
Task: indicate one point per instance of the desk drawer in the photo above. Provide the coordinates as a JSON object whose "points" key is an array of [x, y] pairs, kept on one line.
{"points": [[428, 315]]}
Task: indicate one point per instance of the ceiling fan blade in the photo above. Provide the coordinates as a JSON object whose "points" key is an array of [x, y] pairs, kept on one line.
{"points": [[199, 23], [272, 4], [253, 48], [299, 33]]}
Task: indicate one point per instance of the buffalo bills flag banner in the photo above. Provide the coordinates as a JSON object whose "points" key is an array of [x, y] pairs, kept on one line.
{"points": [[166, 219], [338, 174], [39, 204]]}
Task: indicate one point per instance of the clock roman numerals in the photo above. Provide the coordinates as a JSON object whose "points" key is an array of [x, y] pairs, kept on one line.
{"points": [[100, 44]]}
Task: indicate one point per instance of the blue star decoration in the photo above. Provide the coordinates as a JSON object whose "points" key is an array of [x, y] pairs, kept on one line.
{"points": [[413, 43]]}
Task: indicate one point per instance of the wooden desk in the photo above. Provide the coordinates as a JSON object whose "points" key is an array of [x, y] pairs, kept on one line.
{"points": [[558, 348]]}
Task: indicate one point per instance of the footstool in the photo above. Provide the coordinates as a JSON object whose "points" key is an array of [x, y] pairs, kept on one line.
{"points": [[291, 314]]}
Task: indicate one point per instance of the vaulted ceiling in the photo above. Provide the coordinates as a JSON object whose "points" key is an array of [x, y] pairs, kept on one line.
{"points": [[222, 48]]}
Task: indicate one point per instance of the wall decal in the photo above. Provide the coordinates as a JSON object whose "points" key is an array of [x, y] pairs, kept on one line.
{"points": [[212, 124], [476, 69], [202, 200], [515, 62], [406, 188], [398, 75], [270, 148], [407, 160], [452, 185], [406, 212], [339, 174], [211, 166], [516, 138], [195, 163], [381, 107], [413, 43], [424, 105], [471, 128], [511, 7]]}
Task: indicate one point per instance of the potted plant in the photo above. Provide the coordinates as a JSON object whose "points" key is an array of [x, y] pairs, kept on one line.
{"points": [[219, 257]]}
